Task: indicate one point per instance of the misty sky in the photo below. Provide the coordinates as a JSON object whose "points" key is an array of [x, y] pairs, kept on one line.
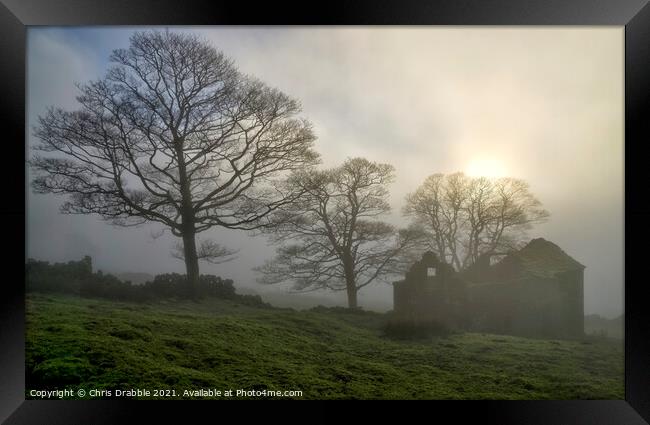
{"points": [[543, 104]]}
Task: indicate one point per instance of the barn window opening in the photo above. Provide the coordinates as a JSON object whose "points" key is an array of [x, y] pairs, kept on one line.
{"points": [[431, 271]]}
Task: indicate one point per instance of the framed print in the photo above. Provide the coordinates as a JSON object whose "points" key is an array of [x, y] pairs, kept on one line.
{"points": [[442, 202]]}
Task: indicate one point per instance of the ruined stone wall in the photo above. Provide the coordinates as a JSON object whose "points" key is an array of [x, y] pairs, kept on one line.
{"points": [[528, 307], [430, 292], [573, 285], [510, 303]]}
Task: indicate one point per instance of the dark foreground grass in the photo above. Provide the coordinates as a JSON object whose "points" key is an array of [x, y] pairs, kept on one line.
{"points": [[88, 343]]}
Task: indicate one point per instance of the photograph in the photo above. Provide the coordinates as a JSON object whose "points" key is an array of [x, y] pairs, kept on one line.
{"points": [[325, 212]]}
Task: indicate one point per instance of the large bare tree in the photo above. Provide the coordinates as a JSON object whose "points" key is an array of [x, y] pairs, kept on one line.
{"points": [[468, 217], [174, 134], [331, 237]]}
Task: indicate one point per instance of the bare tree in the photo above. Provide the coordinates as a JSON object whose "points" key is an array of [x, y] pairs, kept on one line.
{"points": [[470, 217], [174, 134], [331, 237]]}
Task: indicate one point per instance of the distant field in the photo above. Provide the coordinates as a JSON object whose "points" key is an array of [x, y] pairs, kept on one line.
{"points": [[76, 342], [597, 325]]}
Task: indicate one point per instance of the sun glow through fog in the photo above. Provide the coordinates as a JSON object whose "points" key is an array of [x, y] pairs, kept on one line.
{"points": [[486, 167]]}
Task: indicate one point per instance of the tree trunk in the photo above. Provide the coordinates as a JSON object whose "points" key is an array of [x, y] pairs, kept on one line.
{"points": [[352, 297], [191, 262], [189, 231], [350, 283]]}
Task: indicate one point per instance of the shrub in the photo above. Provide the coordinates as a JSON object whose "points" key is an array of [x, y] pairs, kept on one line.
{"points": [[77, 277], [338, 310], [59, 277]]}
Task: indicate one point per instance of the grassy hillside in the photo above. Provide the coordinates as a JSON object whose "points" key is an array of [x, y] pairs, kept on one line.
{"points": [[93, 343]]}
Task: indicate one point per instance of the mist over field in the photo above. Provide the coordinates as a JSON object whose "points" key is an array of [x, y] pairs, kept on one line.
{"points": [[544, 105]]}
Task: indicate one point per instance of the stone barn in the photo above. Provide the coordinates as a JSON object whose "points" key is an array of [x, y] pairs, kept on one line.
{"points": [[431, 292], [536, 291]]}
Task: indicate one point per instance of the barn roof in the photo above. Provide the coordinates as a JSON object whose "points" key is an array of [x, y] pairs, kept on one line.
{"points": [[541, 258]]}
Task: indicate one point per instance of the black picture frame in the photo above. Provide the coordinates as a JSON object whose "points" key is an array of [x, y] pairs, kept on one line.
{"points": [[16, 15]]}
